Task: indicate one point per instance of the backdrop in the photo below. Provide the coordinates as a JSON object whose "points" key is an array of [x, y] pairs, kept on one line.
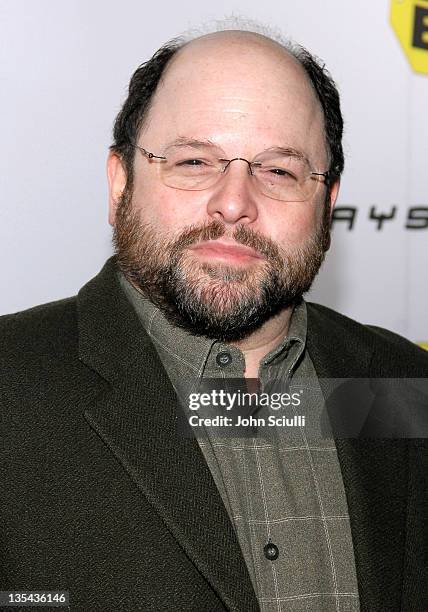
{"points": [[65, 67]]}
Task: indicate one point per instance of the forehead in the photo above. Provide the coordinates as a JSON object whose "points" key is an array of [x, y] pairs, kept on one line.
{"points": [[239, 90]]}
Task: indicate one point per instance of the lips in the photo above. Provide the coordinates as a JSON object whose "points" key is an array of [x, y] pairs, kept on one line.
{"points": [[225, 250]]}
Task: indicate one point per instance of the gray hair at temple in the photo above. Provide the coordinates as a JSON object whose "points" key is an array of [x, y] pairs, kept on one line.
{"points": [[144, 82]]}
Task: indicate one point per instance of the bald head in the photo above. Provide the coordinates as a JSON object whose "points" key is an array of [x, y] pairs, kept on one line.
{"points": [[240, 43], [235, 40], [237, 64]]}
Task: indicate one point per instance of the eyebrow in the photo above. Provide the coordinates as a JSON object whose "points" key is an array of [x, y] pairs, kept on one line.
{"points": [[290, 151], [191, 142], [206, 143]]}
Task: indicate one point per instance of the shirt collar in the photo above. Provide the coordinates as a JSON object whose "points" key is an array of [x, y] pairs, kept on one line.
{"points": [[194, 350]]}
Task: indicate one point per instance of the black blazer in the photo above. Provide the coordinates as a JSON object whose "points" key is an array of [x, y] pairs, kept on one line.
{"points": [[101, 497]]}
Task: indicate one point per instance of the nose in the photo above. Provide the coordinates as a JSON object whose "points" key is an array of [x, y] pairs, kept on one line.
{"points": [[233, 199]]}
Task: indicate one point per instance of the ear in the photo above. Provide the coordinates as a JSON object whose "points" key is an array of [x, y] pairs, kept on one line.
{"points": [[329, 208], [334, 192], [116, 176]]}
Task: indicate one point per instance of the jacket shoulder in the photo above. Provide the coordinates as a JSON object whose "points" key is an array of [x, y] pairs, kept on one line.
{"points": [[38, 333], [393, 354]]}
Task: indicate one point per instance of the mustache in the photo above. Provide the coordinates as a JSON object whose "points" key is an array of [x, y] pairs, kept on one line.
{"points": [[216, 229]]}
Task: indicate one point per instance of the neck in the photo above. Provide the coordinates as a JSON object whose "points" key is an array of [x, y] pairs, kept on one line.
{"points": [[263, 340]]}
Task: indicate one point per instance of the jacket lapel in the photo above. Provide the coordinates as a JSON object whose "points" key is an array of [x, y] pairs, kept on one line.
{"points": [[374, 471], [137, 419]]}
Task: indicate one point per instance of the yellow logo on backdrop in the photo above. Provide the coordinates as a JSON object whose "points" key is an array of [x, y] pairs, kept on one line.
{"points": [[409, 19]]}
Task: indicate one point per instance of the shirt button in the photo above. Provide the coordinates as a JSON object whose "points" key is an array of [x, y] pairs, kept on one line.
{"points": [[271, 551], [223, 359]]}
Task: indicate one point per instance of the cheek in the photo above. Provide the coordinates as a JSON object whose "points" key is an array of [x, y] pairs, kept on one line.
{"points": [[166, 208], [293, 223]]}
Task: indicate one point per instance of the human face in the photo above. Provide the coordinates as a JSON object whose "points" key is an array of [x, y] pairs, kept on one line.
{"points": [[230, 250]]}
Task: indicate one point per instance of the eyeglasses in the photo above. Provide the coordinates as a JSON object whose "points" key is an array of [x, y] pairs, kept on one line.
{"points": [[279, 173]]}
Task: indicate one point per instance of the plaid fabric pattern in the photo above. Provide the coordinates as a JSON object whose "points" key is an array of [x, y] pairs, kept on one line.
{"points": [[286, 490]]}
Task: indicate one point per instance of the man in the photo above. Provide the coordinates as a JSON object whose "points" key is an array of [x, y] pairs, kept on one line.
{"points": [[223, 175]]}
